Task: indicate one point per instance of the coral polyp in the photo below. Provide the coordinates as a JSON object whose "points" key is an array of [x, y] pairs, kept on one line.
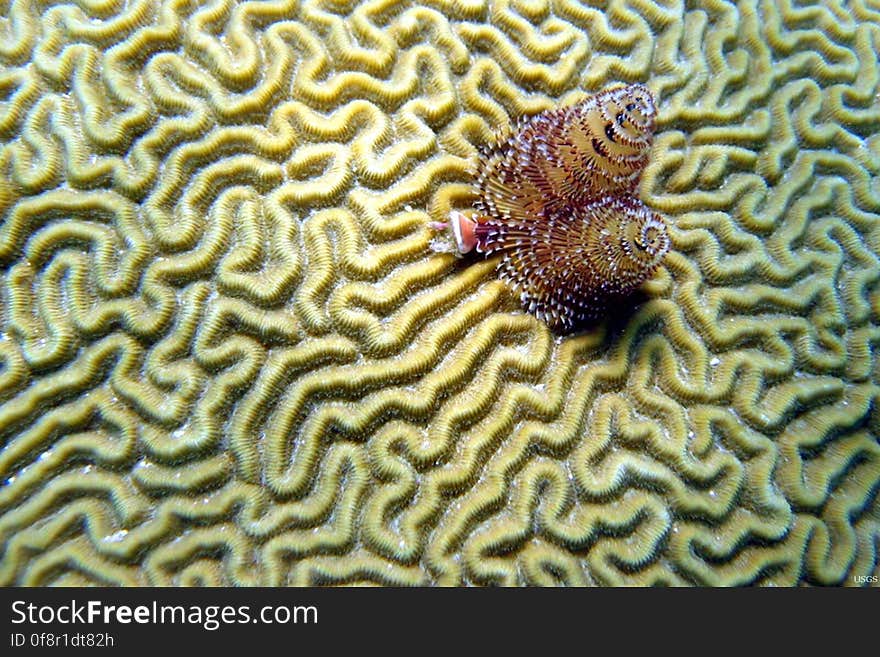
{"points": [[557, 197]]}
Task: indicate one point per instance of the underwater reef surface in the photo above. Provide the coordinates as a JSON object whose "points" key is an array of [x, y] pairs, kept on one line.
{"points": [[228, 355]]}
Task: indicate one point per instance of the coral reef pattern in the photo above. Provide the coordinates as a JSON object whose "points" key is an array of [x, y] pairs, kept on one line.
{"points": [[229, 357]]}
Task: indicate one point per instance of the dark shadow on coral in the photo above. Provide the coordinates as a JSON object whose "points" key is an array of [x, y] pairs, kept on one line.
{"points": [[616, 314]]}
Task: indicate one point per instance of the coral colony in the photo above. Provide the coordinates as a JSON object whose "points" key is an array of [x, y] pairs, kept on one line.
{"points": [[557, 198]]}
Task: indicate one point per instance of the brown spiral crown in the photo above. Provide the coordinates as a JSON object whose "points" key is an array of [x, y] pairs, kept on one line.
{"points": [[569, 155], [557, 196], [569, 266]]}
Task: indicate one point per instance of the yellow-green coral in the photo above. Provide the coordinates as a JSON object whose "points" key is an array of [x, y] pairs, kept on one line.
{"points": [[228, 355]]}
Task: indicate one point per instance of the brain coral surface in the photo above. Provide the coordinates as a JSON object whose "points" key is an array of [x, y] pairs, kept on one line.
{"points": [[228, 356]]}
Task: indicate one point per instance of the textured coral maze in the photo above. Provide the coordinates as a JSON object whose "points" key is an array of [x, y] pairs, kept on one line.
{"points": [[228, 355]]}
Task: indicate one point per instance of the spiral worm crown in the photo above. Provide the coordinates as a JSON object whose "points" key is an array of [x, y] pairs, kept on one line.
{"points": [[557, 197]]}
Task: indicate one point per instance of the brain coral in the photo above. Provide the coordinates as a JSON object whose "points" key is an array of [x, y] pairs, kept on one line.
{"points": [[228, 356]]}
